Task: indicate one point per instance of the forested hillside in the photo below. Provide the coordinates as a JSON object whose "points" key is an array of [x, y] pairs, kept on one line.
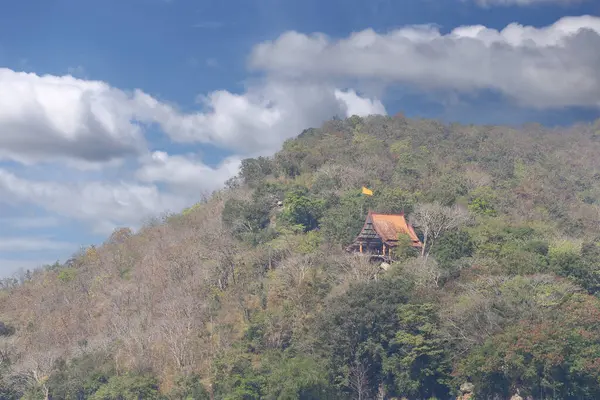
{"points": [[250, 294]]}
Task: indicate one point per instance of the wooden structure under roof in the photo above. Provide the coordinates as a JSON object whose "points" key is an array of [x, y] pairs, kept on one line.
{"points": [[380, 235]]}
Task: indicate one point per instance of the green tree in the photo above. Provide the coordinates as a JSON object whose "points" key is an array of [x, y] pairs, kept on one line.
{"points": [[255, 170], [246, 219], [580, 265], [81, 377], [66, 275], [516, 260], [355, 121], [189, 388], [298, 378], [453, 246], [554, 358], [589, 276], [359, 328], [418, 358], [482, 200], [299, 208], [394, 200], [128, 387], [236, 378], [7, 389], [343, 221], [290, 159]]}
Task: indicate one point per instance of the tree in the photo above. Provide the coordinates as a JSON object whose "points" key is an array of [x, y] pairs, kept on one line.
{"points": [[36, 371], [424, 273], [579, 264], [358, 380], [254, 170], [419, 359], [301, 209], [487, 305], [394, 200], [189, 388], [80, 377], [434, 220], [482, 201], [7, 390], [236, 379], [245, 217], [589, 277], [357, 328], [453, 246], [343, 221], [128, 387], [334, 178], [297, 377], [554, 358]]}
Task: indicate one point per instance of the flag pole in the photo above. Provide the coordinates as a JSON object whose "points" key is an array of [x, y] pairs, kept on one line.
{"points": [[367, 192]]}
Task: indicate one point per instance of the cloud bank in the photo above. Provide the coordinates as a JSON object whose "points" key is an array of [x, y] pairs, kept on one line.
{"points": [[544, 67], [54, 118]]}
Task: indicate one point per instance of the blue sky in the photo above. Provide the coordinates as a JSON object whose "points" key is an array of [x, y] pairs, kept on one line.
{"points": [[114, 111]]}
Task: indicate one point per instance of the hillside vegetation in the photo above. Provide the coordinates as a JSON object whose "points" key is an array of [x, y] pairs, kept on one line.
{"points": [[250, 295]]}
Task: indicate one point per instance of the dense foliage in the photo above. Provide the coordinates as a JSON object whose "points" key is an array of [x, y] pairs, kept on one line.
{"points": [[251, 295]]}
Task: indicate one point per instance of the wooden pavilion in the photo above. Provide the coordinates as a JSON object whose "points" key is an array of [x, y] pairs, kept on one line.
{"points": [[380, 235]]}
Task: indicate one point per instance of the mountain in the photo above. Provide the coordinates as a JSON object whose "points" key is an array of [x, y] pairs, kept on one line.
{"points": [[251, 294]]}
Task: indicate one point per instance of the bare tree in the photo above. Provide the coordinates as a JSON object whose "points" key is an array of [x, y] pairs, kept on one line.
{"points": [[35, 370], [180, 320], [434, 220], [337, 178], [358, 269], [358, 380], [426, 273], [476, 176]]}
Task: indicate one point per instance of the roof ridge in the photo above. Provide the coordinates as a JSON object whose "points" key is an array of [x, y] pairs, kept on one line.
{"points": [[377, 213]]}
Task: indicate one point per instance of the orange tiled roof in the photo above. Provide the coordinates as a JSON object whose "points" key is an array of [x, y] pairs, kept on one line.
{"points": [[390, 226]]}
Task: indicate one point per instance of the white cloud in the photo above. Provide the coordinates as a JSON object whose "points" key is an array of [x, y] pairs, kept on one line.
{"points": [[104, 205], [488, 3], [356, 105], [89, 123], [49, 118], [186, 174], [553, 66], [257, 121]]}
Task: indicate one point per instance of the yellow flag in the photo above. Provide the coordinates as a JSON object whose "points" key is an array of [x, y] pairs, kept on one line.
{"points": [[366, 191]]}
